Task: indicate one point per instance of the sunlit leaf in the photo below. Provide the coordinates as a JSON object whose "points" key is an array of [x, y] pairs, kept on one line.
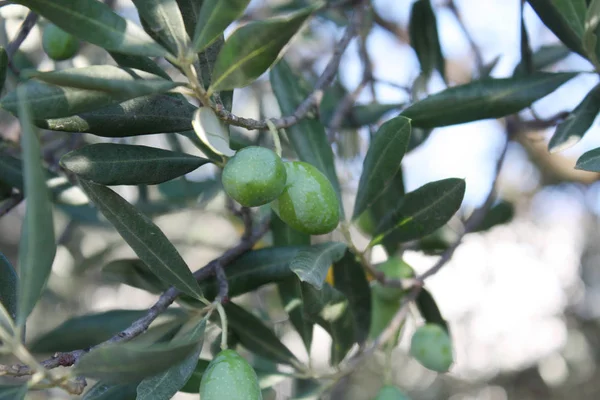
{"points": [[422, 211], [312, 263], [164, 18], [212, 132], [94, 22], [589, 161], [253, 48], [382, 162], [487, 98], [145, 238], [37, 247], [571, 130], [122, 164], [214, 17]]}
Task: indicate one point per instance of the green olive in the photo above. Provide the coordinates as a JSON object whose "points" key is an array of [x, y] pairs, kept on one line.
{"points": [[432, 348], [229, 376], [254, 176], [390, 392], [308, 203], [393, 268], [58, 44]]}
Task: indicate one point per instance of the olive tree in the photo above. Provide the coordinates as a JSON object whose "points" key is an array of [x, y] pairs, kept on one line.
{"points": [[175, 75]]}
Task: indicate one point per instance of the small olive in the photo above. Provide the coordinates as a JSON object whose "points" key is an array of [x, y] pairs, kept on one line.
{"points": [[390, 392], [393, 268], [308, 203], [254, 176], [229, 376], [431, 346], [58, 44]]}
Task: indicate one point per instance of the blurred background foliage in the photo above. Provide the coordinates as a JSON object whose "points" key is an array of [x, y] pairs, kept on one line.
{"points": [[521, 297]]}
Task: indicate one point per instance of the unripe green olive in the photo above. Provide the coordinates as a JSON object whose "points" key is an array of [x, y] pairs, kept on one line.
{"points": [[308, 203], [432, 348], [229, 376], [390, 392], [393, 268], [58, 44], [254, 176]]}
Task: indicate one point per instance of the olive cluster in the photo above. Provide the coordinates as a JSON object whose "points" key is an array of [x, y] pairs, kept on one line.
{"points": [[297, 191]]}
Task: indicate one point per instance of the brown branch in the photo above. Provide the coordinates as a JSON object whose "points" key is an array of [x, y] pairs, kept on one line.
{"points": [[28, 24], [391, 27], [310, 101], [13, 201], [68, 359]]}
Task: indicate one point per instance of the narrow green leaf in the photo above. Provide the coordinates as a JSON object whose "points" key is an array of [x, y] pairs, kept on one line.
{"points": [[256, 336], [254, 269], [120, 82], [132, 362], [368, 114], [544, 57], [589, 161], [307, 137], [164, 18], [181, 189], [312, 263], [289, 289], [161, 113], [164, 385], [382, 162], [215, 16], [571, 130], [487, 98], [549, 12], [17, 392], [349, 278], [8, 286], [573, 12], [85, 331], [591, 44], [422, 211], [145, 238], [37, 248], [123, 164], [140, 63], [190, 9], [253, 48], [429, 310], [212, 132], [105, 391], [424, 38], [50, 101], [95, 22], [62, 191], [3, 67], [330, 309], [135, 273]]}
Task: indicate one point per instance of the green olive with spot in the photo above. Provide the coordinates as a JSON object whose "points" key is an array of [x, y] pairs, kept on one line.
{"points": [[254, 176], [58, 44], [390, 392], [431, 346], [393, 268], [308, 203], [229, 376]]}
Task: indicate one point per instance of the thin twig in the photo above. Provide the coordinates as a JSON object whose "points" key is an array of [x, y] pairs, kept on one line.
{"points": [[393, 28], [68, 359], [223, 295], [476, 52], [342, 110], [13, 201], [310, 101], [28, 24], [472, 222]]}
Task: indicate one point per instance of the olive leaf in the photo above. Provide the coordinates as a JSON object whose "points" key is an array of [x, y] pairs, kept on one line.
{"points": [[212, 132]]}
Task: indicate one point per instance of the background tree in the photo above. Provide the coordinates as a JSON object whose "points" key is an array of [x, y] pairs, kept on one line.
{"points": [[123, 131]]}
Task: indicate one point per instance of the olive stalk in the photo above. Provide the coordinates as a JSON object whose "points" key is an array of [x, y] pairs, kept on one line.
{"points": [[275, 134]]}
